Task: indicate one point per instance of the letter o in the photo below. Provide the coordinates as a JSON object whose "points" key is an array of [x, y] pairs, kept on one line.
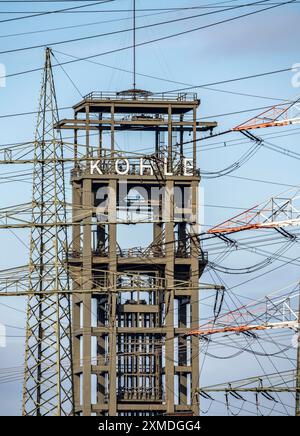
{"points": [[124, 172]]}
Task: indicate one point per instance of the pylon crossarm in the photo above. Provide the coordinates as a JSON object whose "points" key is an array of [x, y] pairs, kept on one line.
{"points": [[281, 381], [256, 390], [247, 328], [276, 310], [282, 114], [277, 212]]}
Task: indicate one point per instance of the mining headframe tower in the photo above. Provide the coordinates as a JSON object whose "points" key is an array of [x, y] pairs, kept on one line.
{"points": [[133, 308]]}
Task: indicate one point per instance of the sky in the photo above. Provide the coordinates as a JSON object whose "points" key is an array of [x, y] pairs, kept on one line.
{"points": [[257, 43]]}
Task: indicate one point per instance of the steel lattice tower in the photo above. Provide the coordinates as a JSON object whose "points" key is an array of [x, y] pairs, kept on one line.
{"points": [[47, 386]]}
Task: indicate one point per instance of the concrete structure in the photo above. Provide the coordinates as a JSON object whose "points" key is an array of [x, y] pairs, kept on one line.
{"points": [[131, 351]]}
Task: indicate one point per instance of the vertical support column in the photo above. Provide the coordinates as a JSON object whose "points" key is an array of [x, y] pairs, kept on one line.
{"points": [[76, 346], [112, 230], [182, 350], [87, 130], [170, 145], [157, 227], [181, 137], [195, 304], [76, 198], [87, 284], [100, 151], [101, 352], [169, 296], [75, 143], [112, 131], [194, 139]]}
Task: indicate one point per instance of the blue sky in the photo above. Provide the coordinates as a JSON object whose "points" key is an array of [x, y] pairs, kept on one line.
{"points": [[255, 44]]}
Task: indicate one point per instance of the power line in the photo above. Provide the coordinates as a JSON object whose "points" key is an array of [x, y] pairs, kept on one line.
{"points": [[281, 356], [29, 143], [117, 32], [210, 116], [171, 81], [33, 70], [171, 8], [75, 26], [270, 182], [46, 1], [252, 76], [53, 12]]}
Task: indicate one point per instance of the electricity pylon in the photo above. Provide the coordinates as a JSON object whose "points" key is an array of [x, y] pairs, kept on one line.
{"points": [[48, 387]]}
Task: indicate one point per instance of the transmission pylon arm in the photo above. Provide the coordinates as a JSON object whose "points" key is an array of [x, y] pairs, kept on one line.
{"points": [[274, 311], [255, 390], [277, 382], [282, 114], [277, 212], [246, 328]]}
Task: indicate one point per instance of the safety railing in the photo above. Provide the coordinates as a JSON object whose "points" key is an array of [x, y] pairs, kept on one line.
{"points": [[142, 95]]}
